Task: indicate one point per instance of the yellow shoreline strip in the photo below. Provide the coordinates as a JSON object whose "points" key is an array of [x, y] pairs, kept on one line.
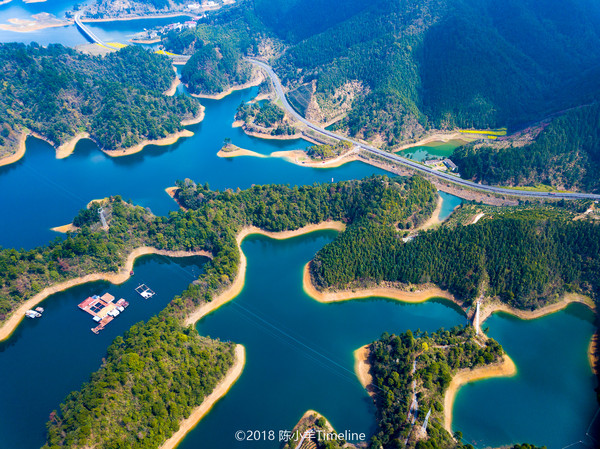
{"points": [[505, 368], [16, 316], [238, 284], [220, 391]]}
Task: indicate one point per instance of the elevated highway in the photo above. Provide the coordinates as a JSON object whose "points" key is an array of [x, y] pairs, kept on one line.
{"points": [[87, 33], [410, 163], [93, 37]]}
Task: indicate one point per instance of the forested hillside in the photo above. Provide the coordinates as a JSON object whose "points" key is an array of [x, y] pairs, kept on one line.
{"points": [[294, 20], [58, 93], [527, 263], [144, 386], [211, 224], [152, 378], [217, 45], [566, 155], [264, 118], [445, 63], [437, 357]]}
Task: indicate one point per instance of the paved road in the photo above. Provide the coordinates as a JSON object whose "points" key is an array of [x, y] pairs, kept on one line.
{"points": [[87, 32], [407, 162], [90, 35]]}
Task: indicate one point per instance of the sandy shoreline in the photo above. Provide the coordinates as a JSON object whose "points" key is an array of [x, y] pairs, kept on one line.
{"points": [[434, 220], [171, 191], [239, 152], [592, 348], [220, 390], [67, 148], [238, 284], [65, 228], [121, 276], [296, 156], [493, 307], [255, 80], [12, 158], [271, 136], [28, 26], [173, 88], [169, 140], [505, 368], [382, 292], [362, 367], [194, 120], [145, 41]]}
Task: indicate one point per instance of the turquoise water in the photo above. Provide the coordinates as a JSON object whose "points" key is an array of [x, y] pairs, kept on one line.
{"points": [[60, 188], [449, 203], [46, 358], [299, 351], [118, 31], [20, 9], [437, 149], [122, 31], [550, 401]]}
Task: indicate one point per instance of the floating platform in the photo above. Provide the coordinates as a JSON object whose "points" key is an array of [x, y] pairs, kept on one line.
{"points": [[144, 291], [103, 309], [32, 314]]}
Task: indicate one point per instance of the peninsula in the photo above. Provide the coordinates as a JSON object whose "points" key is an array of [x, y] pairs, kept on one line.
{"points": [[98, 108]]}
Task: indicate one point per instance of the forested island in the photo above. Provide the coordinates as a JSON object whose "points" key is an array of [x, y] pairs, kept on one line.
{"points": [[264, 118], [211, 223], [437, 357], [376, 210], [152, 377], [58, 93]]}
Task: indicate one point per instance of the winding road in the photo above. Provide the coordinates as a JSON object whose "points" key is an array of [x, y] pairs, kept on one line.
{"points": [[407, 162]]}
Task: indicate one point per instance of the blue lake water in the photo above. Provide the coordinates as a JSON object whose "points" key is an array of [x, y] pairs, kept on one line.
{"points": [[54, 190], [299, 352], [550, 401], [48, 357]]}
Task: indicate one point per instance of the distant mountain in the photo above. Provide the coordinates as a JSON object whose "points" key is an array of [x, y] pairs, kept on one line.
{"points": [[295, 20], [437, 63]]}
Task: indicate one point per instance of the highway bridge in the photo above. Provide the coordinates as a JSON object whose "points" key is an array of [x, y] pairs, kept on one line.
{"points": [[89, 34], [92, 37], [410, 163]]}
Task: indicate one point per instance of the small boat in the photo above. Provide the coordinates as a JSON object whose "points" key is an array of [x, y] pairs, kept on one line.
{"points": [[32, 314], [131, 273], [39, 309]]}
